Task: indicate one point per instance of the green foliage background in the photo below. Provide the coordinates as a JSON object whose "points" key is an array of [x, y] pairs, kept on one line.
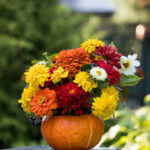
{"points": [[27, 29], [130, 130]]}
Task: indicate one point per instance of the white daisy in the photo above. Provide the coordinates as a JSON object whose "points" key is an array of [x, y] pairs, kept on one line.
{"points": [[98, 73], [129, 64]]}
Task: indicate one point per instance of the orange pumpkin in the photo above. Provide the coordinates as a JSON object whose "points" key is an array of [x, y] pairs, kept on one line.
{"points": [[72, 132]]}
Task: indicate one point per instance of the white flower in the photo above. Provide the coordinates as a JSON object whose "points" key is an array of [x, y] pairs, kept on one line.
{"points": [[129, 64], [98, 73], [42, 62]]}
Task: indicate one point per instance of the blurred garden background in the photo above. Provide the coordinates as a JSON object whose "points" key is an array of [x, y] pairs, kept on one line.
{"points": [[28, 28]]}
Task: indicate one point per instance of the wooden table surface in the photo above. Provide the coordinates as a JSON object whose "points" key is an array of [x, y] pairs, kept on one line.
{"points": [[46, 147]]}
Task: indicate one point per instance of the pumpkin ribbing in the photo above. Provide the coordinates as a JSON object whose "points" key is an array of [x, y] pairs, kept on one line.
{"points": [[73, 132]]}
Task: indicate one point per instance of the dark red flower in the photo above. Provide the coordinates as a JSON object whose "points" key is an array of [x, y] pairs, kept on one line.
{"points": [[52, 70], [110, 53], [72, 99], [49, 83], [113, 74]]}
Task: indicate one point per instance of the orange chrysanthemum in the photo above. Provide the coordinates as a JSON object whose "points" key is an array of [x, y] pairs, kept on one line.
{"points": [[43, 102], [73, 60]]}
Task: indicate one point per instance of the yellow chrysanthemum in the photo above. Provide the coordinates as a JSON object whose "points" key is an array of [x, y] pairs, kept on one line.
{"points": [[26, 97], [83, 80], [58, 74], [91, 44], [105, 105], [37, 75]]}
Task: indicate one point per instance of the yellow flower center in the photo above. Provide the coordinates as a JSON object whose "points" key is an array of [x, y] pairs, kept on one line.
{"points": [[71, 91], [126, 64], [41, 99], [99, 58], [98, 72]]}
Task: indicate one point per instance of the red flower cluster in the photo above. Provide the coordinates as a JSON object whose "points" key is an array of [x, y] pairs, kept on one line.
{"points": [[72, 98], [110, 53], [113, 74]]}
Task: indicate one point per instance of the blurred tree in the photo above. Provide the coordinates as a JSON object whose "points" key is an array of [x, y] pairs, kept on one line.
{"points": [[132, 11], [27, 29]]}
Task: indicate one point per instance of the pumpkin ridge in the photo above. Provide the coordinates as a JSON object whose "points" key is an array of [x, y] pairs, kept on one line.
{"points": [[69, 144], [51, 129], [90, 135], [71, 131]]}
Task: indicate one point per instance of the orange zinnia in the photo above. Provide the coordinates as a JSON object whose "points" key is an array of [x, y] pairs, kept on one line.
{"points": [[73, 60], [43, 102]]}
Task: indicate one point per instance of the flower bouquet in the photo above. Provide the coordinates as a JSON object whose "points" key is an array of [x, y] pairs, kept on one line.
{"points": [[72, 92]]}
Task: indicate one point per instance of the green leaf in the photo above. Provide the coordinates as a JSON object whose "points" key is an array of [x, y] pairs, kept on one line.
{"points": [[53, 55], [86, 67], [55, 81], [34, 61], [45, 54], [102, 84], [112, 44], [130, 80]]}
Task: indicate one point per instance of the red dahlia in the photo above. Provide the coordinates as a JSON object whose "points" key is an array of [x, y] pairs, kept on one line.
{"points": [[72, 99], [113, 74], [110, 53]]}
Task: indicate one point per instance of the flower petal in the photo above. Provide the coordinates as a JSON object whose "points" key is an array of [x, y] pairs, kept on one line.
{"points": [[136, 63]]}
